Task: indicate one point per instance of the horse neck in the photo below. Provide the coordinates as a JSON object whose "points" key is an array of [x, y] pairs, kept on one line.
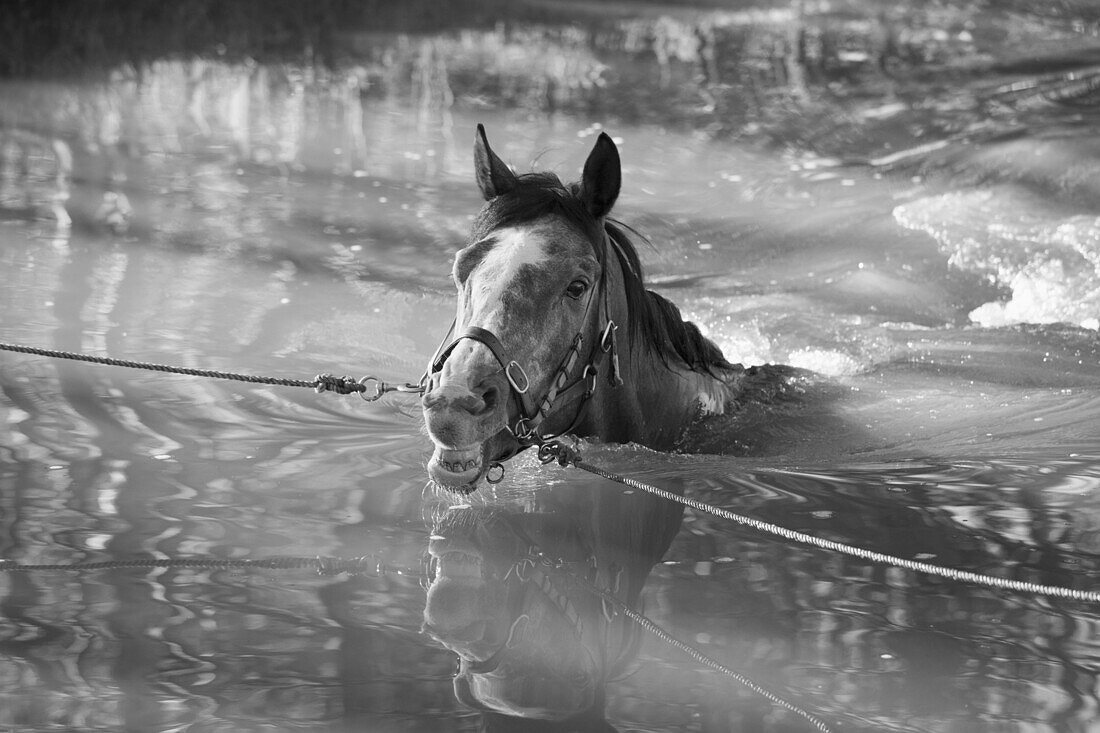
{"points": [[657, 401], [670, 398]]}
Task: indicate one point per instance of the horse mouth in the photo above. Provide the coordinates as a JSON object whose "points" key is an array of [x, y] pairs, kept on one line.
{"points": [[458, 469], [462, 469]]}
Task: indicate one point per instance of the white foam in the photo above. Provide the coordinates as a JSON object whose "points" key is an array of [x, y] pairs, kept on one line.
{"points": [[825, 361], [1049, 261]]}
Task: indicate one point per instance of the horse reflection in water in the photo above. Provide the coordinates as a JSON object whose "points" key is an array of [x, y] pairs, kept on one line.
{"points": [[536, 648], [556, 334]]}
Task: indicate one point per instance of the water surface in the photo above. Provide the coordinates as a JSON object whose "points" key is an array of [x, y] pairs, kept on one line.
{"points": [[903, 201]]}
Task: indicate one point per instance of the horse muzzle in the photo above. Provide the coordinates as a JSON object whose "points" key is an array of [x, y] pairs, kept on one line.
{"points": [[466, 414], [466, 444], [470, 424]]}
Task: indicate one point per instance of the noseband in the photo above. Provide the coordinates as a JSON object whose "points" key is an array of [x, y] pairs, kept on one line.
{"points": [[571, 383]]}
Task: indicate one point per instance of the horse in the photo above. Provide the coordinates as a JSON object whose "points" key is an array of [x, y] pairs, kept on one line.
{"points": [[555, 333], [537, 644], [551, 293]]}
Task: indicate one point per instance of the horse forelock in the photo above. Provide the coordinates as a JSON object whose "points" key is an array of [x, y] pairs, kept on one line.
{"points": [[538, 196], [653, 320]]}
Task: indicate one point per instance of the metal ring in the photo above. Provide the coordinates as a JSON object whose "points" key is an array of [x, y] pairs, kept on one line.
{"points": [[488, 474], [521, 430], [548, 452], [378, 391], [589, 375], [523, 567], [607, 341]]}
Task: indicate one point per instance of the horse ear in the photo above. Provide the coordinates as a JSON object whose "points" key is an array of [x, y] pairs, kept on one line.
{"points": [[602, 177], [493, 176]]}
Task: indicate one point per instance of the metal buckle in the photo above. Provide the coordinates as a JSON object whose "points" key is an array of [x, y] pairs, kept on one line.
{"points": [[512, 378]]}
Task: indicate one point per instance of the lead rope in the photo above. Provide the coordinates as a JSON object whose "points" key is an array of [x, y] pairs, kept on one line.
{"points": [[555, 451], [566, 456], [706, 661], [320, 383]]}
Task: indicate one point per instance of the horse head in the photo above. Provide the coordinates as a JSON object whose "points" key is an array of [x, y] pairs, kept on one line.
{"points": [[544, 286], [518, 594], [533, 317]]}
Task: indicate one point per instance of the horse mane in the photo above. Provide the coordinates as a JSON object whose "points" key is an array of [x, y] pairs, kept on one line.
{"points": [[653, 319]]}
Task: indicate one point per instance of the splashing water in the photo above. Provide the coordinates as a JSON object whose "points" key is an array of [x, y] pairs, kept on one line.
{"points": [[1049, 264]]}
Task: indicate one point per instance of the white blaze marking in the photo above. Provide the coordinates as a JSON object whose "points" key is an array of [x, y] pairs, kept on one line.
{"points": [[514, 248]]}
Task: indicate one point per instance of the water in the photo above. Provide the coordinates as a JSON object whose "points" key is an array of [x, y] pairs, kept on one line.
{"points": [[908, 210]]}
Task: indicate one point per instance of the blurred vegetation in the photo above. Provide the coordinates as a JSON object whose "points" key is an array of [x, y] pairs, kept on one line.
{"points": [[51, 38], [890, 83], [66, 37]]}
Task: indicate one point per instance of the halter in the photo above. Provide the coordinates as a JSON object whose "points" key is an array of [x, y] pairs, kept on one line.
{"points": [[569, 384]]}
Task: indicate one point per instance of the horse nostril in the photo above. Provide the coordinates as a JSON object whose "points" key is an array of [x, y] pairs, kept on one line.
{"points": [[453, 397], [431, 399], [469, 403], [490, 396], [481, 400]]}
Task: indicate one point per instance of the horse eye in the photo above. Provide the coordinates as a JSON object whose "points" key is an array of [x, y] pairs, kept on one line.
{"points": [[576, 289]]}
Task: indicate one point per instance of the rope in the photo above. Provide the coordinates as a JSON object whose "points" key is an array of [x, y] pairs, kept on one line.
{"points": [[1021, 586], [566, 456], [706, 661], [323, 565], [320, 383], [651, 626]]}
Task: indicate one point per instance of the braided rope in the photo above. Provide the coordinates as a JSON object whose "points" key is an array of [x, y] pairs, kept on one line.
{"points": [[706, 661], [321, 383], [1021, 586]]}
